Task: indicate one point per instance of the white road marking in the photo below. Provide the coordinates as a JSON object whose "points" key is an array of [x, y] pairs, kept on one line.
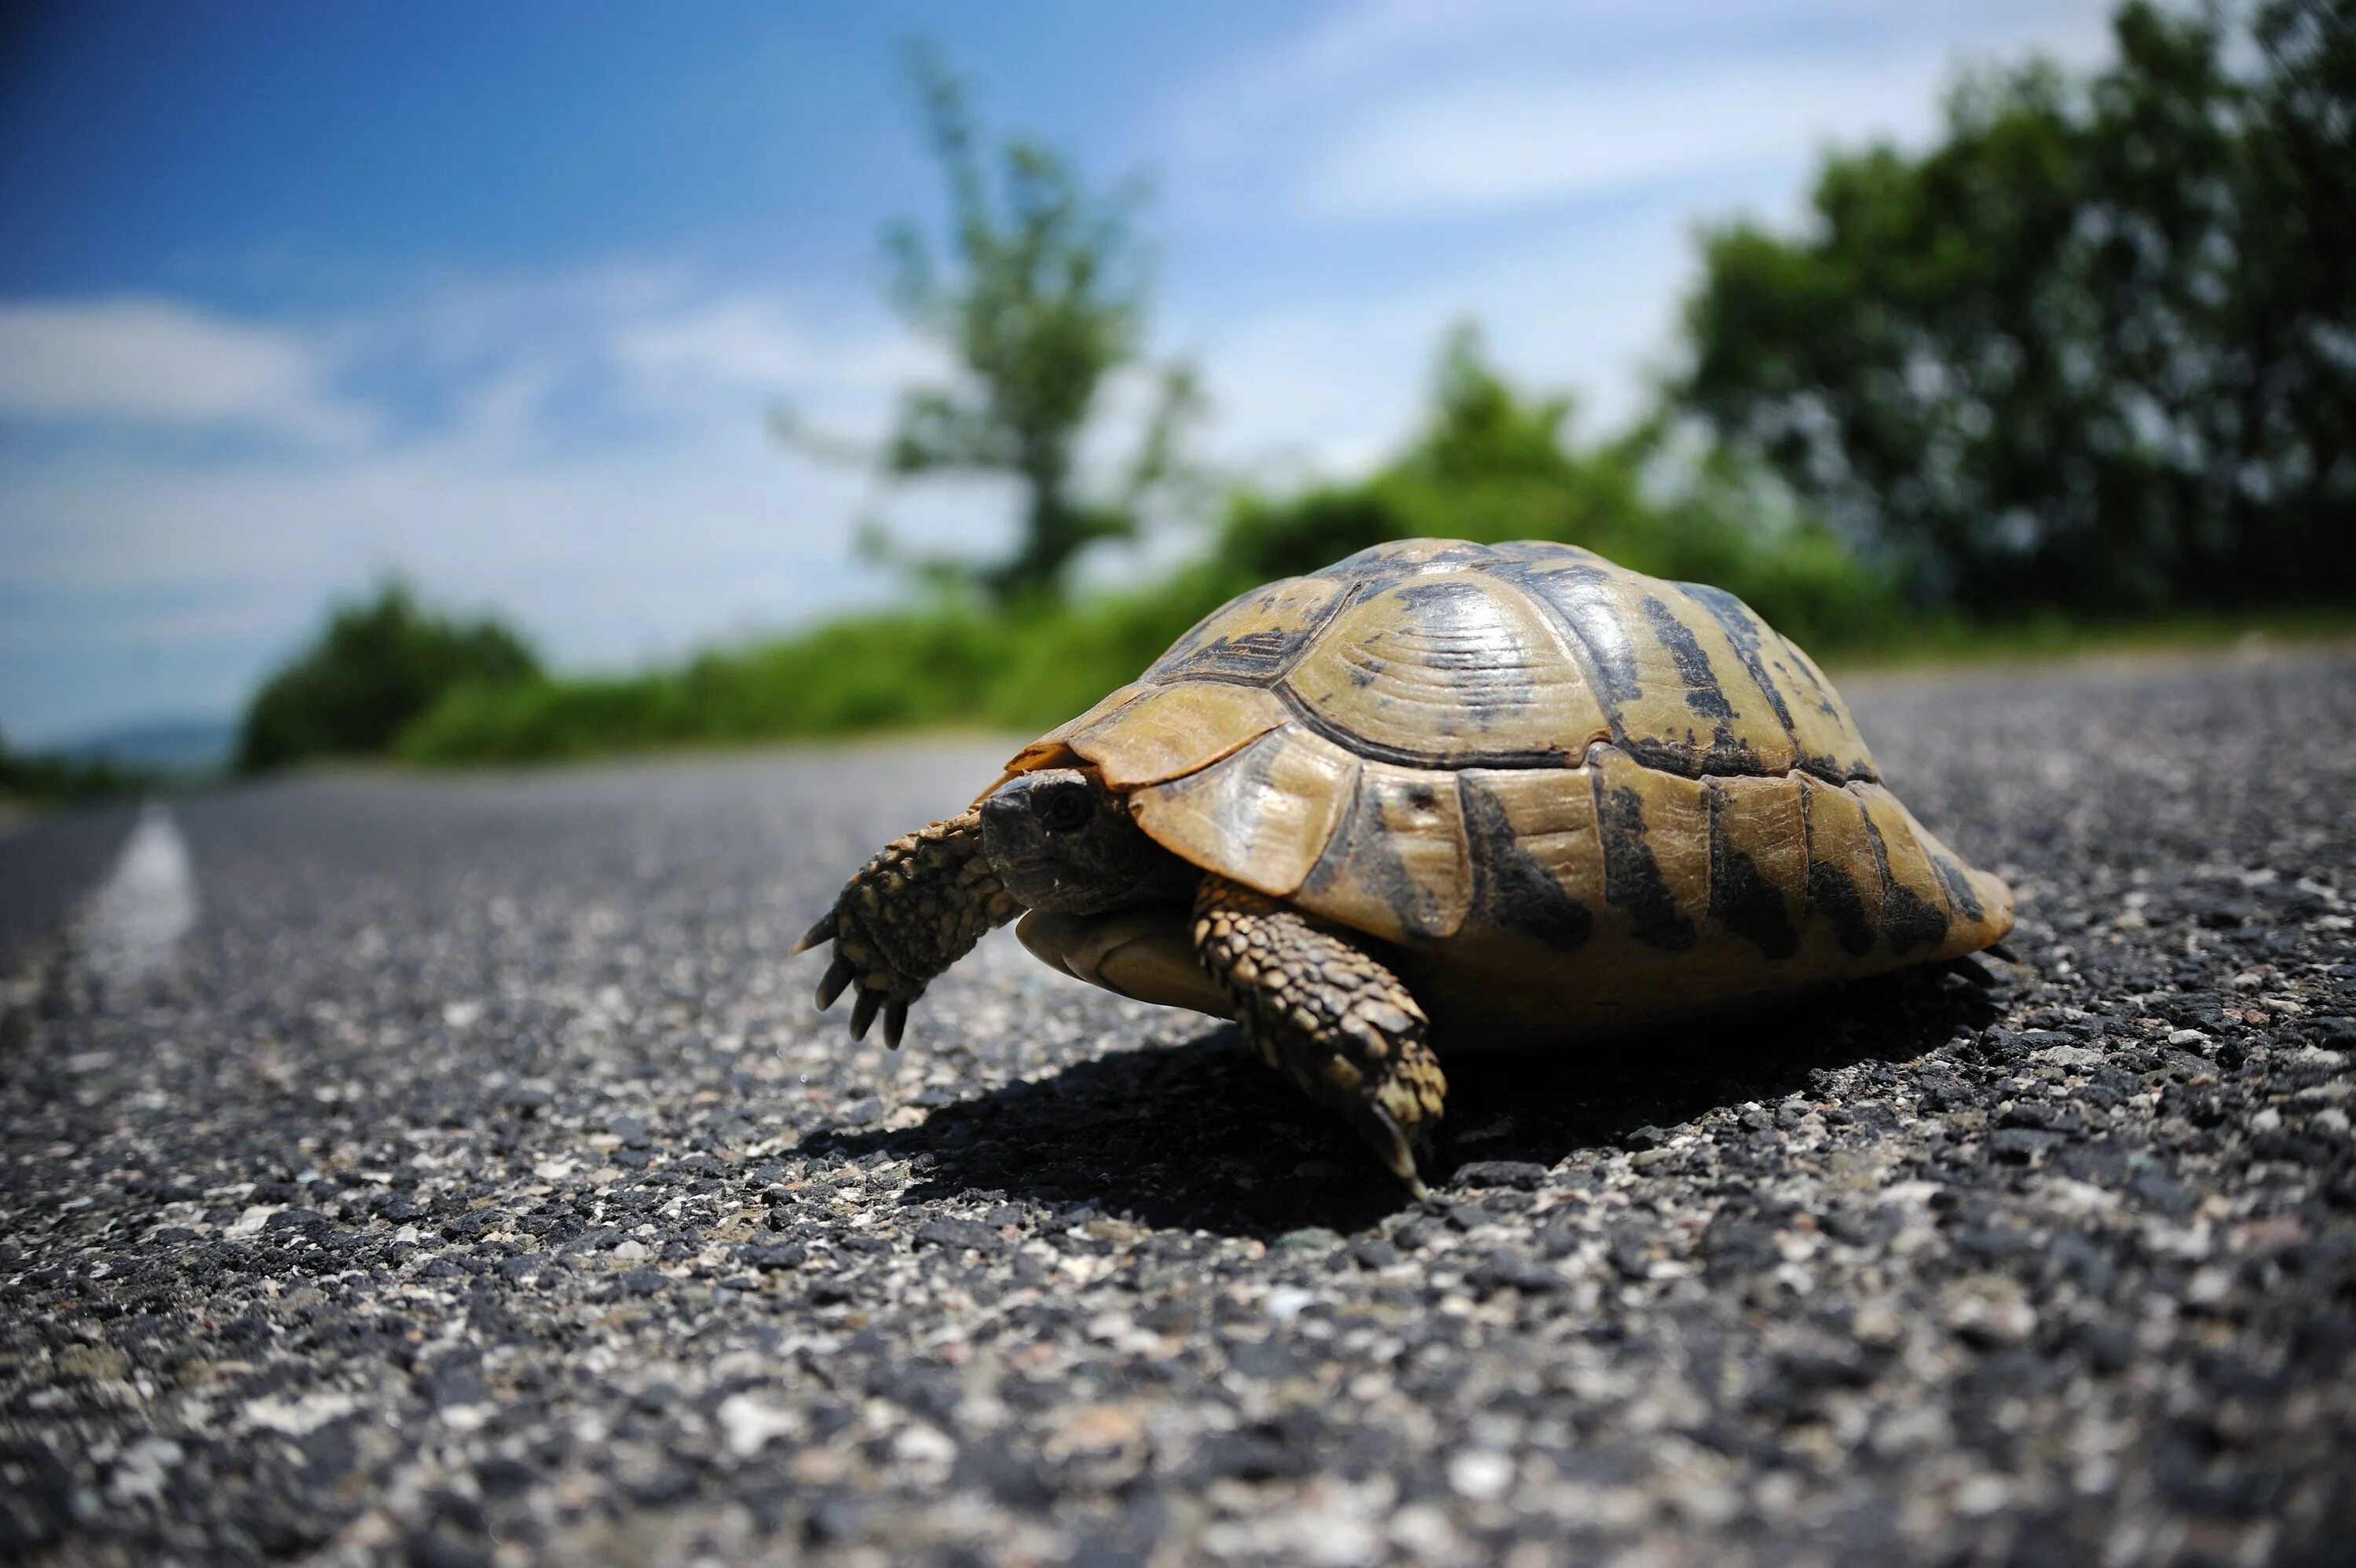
{"points": [[133, 923]]}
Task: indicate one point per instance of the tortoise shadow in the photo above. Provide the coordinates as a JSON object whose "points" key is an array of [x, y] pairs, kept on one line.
{"points": [[1203, 1136]]}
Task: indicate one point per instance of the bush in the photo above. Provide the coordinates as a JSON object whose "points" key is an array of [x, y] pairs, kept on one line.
{"points": [[879, 672], [50, 779], [545, 720], [1059, 661], [376, 667]]}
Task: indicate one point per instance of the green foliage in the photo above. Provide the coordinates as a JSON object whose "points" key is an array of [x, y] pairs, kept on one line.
{"points": [[941, 668], [1060, 660], [1042, 300], [1493, 465], [876, 672], [50, 779], [544, 720], [2095, 349], [379, 663]]}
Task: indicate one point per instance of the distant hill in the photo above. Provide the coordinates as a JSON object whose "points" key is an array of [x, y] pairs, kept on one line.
{"points": [[160, 745]]}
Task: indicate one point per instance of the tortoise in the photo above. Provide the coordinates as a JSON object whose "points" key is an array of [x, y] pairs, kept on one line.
{"points": [[1435, 798]]}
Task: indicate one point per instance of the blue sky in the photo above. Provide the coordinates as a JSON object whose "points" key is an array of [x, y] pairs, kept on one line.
{"points": [[293, 294]]}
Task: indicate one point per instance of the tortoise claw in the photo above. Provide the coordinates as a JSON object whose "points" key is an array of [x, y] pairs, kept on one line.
{"points": [[863, 1012], [895, 1021], [837, 974], [1383, 1134], [822, 932]]}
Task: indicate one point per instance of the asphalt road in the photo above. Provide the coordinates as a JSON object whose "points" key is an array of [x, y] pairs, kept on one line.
{"points": [[455, 1171]]}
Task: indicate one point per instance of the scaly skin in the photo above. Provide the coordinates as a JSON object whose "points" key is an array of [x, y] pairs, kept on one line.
{"points": [[1325, 1012], [913, 910]]}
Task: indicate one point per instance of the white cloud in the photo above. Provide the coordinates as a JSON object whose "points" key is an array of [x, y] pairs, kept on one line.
{"points": [[740, 342], [761, 343], [1475, 146], [1406, 109], [594, 466], [607, 557], [159, 363]]}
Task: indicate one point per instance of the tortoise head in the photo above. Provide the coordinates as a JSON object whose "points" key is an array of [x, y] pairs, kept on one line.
{"points": [[1060, 841]]}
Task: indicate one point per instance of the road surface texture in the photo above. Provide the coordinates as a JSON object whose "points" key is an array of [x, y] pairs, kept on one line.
{"points": [[471, 1181], [43, 870]]}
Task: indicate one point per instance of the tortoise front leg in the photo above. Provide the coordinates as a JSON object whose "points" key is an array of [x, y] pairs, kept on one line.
{"points": [[913, 910], [1323, 1010]]}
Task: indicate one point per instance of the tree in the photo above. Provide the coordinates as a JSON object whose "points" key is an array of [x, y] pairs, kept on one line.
{"points": [[1041, 300], [2098, 347], [1495, 462], [378, 664], [1483, 429]]}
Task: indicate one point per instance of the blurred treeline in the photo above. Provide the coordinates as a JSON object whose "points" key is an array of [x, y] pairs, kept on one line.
{"points": [[45, 779], [1492, 464], [2091, 359]]}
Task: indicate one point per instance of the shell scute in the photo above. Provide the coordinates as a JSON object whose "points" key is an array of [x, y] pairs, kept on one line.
{"points": [[1914, 913], [1255, 637], [1261, 815], [1054, 749], [1538, 864], [1164, 731], [1825, 739], [1383, 564], [1400, 867], [1759, 863], [1683, 698], [1654, 829], [1451, 669]]}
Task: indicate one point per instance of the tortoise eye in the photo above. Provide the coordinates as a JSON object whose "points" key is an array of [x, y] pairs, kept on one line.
{"points": [[1065, 810]]}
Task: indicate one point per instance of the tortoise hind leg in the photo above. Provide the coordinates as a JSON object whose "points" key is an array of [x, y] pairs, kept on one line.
{"points": [[1323, 1011], [914, 910]]}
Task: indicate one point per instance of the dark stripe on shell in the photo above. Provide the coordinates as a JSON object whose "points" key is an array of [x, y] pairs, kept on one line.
{"points": [[1703, 694], [1832, 894], [1580, 595], [1366, 851], [1824, 696], [1907, 922], [1513, 889], [1741, 897], [1959, 890], [1742, 630], [1633, 882]]}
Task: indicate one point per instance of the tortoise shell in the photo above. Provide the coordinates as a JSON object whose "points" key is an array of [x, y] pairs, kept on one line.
{"points": [[1574, 796]]}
